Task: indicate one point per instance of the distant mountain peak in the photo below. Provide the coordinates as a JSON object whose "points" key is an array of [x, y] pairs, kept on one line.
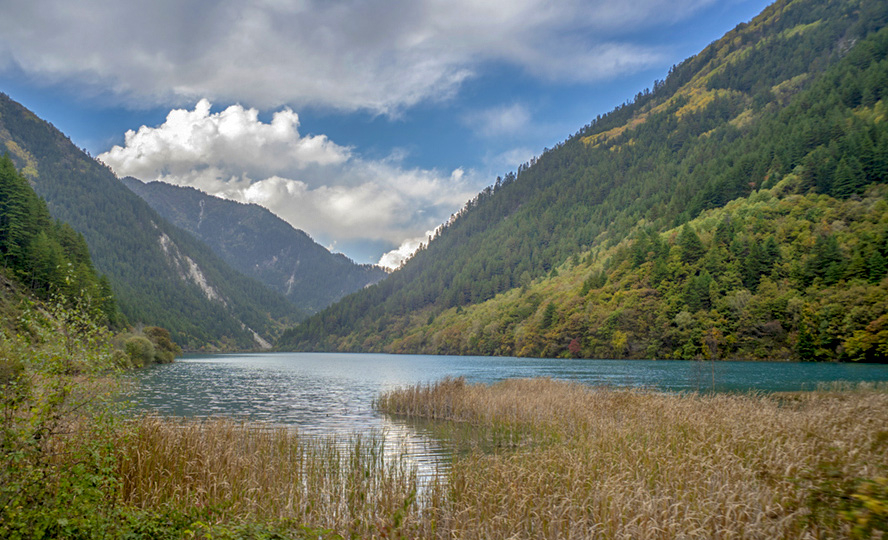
{"points": [[255, 241]]}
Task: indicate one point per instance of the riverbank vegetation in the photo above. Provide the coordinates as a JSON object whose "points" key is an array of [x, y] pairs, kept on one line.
{"points": [[73, 464], [768, 277]]}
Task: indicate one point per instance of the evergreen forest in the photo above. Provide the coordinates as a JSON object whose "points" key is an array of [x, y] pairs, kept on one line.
{"points": [[47, 256]]}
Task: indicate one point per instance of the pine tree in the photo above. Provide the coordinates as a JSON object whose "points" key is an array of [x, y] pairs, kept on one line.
{"points": [[548, 316], [805, 348], [876, 267], [691, 245], [848, 177]]}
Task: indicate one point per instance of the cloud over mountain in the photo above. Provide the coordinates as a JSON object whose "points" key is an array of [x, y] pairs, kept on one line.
{"points": [[308, 180]]}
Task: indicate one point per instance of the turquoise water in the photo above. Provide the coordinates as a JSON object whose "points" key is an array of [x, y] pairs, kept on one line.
{"points": [[330, 392]]}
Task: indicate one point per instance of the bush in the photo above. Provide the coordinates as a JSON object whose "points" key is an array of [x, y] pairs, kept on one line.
{"points": [[140, 350], [57, 437], [165, 351]]}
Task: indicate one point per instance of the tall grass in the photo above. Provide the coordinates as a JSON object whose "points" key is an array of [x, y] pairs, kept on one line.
{"points": [[640, 464], [243, 472]]}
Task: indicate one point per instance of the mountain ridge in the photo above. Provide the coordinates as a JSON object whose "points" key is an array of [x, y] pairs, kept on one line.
{"points": [[259, 244]]}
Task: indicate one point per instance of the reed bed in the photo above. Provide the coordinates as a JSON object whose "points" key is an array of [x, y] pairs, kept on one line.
{"points": [[239, 472], [570, 461], [604, 463]]}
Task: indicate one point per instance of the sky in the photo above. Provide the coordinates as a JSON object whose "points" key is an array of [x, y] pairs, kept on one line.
{"points": [[365, 123]]}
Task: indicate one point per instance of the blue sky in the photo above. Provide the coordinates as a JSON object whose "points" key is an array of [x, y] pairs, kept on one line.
{"points": [[364, 122]]}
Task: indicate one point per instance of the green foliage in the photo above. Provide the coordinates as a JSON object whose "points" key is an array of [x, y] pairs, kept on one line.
{"points": [[867, 507], [666, 308], [691, 246], [56, 442], [150, 345], [140, 351], [793, 102], [50, 258], [165, 351], [548, 315]]}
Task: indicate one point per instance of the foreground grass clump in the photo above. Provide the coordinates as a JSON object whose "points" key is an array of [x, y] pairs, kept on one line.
{"points": [[640, 464], [241, 473]]}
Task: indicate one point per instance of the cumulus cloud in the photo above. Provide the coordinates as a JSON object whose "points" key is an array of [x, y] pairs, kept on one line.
{"points": [[233, 137], [308, 180], [396, 257], [511, 159], [377, 55]]}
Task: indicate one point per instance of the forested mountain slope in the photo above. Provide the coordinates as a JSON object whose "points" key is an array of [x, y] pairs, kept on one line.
{"points": [[771, 276], [795, 96], [160, 275], [260, 245], [47, 258]]}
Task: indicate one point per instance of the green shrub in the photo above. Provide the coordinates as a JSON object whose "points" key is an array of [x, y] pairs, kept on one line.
{"points": [[140, 350], [57, 434], [165, 351]]}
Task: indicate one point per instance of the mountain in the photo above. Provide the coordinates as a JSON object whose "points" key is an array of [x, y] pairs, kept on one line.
{"points": [[260, 245], [160, 275], [791, 106]]}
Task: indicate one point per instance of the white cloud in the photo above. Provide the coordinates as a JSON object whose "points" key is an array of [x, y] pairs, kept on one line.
{"points": [[234, 136], [377, 55], [511, 159], [396, 257], [308, 180], [504, 121]]}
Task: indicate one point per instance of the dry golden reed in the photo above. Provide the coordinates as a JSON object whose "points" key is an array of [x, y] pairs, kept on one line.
{"points": [[642, 464], [578, 462], [253, 472]]}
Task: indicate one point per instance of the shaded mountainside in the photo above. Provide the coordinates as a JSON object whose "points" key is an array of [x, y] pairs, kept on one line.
{"points": [[160, 275], [796, 97], [261, 245]]}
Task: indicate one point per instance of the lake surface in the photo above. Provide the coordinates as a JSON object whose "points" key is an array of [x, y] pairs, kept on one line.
{"points": [[333, 393]]}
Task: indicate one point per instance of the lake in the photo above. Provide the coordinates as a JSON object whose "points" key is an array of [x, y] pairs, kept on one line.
{"points": [[333, 392]]}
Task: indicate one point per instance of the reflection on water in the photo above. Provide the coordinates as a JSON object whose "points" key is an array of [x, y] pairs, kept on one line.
{"points": [[430, 454], [333, 393]]}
